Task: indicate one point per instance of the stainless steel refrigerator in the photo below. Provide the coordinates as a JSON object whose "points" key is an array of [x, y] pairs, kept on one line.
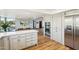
{"points": [[72, 31]]}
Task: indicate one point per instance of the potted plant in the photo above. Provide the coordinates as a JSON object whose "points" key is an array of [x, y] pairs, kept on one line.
{"points": [[5, 25]]}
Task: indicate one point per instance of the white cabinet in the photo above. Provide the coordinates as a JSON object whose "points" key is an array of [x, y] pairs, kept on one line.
{"points": [[4, 43], [58, 27], [31, 39], [18, 40], [22, 41], [1, 44], [14, 42]]}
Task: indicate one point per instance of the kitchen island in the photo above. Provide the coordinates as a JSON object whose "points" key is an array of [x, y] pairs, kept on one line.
{"points": [[18, 39]]}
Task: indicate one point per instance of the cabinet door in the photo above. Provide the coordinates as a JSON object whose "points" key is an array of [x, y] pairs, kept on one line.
{"points": [[17, 42], [1, 44], [14, 42], [6, 43], [21, 43]]}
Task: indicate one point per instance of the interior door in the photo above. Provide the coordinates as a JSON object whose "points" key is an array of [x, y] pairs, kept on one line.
{"points": [[69, 31], [76, 33]]}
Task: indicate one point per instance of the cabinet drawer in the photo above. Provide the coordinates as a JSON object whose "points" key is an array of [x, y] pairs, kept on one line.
{"points": [[31, 42], [28, 34], [14, 37], [32, 36], [34, 42], [28, 44], [29, 39], [22, 36]]}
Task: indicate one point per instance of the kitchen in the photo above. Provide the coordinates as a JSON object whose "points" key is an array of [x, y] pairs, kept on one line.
{"points": [[55, 26]]}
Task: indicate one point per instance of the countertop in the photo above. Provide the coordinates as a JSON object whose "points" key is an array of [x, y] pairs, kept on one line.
{"points": [[16, 32]]}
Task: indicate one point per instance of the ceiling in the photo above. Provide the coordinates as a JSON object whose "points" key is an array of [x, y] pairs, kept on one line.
{"points": [[28, 13]]}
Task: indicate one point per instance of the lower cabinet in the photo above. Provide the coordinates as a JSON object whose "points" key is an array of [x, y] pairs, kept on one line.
{"points": [[1, 44], [30, 43], [18, 41], [14, 42], [4, 43], [17, 44], [22, 41]]}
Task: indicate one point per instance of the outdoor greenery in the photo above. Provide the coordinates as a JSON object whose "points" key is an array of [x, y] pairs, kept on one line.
{"points": [[23, 23], [5, 24]]}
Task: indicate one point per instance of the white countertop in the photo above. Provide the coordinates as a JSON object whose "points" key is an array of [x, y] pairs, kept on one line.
{"points": [[16, 32]]}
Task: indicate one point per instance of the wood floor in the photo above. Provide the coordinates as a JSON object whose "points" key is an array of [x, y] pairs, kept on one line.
{"points": [[44, 43]]}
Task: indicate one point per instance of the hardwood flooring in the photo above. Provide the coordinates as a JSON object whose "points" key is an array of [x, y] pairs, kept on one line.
{"points": [[44, 43]]}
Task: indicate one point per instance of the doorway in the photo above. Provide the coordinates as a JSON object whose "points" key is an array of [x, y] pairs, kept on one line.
{"points": [[40, 24], [40, 28]]}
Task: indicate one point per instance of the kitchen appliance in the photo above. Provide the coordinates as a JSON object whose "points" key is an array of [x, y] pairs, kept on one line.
{"points": [[47, 29], [72, 31]]}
